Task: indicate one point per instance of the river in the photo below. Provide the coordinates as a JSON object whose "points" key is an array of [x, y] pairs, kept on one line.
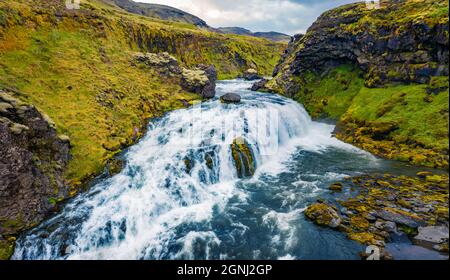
{"points": [[158, 208]]}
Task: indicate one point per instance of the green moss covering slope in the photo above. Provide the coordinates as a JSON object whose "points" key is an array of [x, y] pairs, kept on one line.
{"points": [[382, 74], [76, 66], [402, 122]]}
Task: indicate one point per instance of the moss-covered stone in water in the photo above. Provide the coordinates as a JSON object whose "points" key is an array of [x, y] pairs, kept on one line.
{"points": [[366, 238], [359, 223], [6, 248], [243, 158], [115, 166], [188, 165], [209, 161], [383, 199], [337, 187], [324, 215]]}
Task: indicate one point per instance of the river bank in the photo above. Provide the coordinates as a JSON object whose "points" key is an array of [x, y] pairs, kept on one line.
{"points": [[207, 212]]}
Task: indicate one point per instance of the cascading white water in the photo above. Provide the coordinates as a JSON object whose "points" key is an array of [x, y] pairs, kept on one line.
{"points": [[154, 208]]}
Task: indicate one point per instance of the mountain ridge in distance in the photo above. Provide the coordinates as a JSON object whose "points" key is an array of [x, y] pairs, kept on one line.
{"points": [[168, 13]]}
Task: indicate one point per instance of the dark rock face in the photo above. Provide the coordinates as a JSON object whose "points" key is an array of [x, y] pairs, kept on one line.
{"points": [[287, 52], [33, 159], [386, 51], [251, 75], [200, 80], [209, 90], [260, 85], [230, 98]]}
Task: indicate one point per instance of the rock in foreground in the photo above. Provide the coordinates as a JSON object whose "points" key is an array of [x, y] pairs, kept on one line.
{"points": [[323, 215], [388, 204], [32, 164], [434, 235], [230, 98], [251, 75]]}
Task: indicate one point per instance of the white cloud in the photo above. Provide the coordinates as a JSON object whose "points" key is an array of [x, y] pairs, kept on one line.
{"points": [[288, 16]]}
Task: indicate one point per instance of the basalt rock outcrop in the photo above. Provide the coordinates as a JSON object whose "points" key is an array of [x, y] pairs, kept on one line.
{"points": [[251, 75], [200, 80], [392, 44], [230, 98], [388, 205], [371, 68], [33, 160]]}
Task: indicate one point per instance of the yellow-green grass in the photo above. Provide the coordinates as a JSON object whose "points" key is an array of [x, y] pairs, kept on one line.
{"points": [[78, 70], [421, 117], [431, 12]]}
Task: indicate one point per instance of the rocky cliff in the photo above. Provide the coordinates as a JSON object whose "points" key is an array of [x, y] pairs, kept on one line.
{"points": [[32, 166], [382, 73]]}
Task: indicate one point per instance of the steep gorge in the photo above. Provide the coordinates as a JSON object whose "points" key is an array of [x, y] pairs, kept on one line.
{"points": [[381, 73]]}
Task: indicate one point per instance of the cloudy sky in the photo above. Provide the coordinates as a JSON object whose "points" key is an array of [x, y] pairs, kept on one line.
{"points": [[287, 16]]}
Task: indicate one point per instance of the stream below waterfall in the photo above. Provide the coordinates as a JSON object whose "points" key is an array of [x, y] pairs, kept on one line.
{"points": [[157, 208]]}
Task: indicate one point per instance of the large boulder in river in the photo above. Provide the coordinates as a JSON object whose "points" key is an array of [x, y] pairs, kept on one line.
{"points": [[251, 75], [243, 158], [323, 215], [201, 80], [230, 98]]}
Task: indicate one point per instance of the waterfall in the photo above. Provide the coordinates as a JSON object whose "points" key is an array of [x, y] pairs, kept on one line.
{"points": [[176, 179]]}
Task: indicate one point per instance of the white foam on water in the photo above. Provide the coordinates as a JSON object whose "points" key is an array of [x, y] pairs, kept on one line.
{"points": [[137, 213]]}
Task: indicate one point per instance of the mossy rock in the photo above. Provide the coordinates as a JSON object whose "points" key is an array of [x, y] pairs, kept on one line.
{"points": [[243, 158], [209, 161], [188, 165], [336, 187], [6, 248], [323, 215], [115, 166]]}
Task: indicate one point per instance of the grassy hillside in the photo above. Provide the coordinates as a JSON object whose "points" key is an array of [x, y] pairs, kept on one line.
{"points": [[382, 74], [76, 66], [402, 122]]}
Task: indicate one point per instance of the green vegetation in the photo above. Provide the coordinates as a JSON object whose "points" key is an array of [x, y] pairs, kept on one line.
{"points": [[79, 71], [6, 248], [431, 12], [403, 122], [332, 95]]}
